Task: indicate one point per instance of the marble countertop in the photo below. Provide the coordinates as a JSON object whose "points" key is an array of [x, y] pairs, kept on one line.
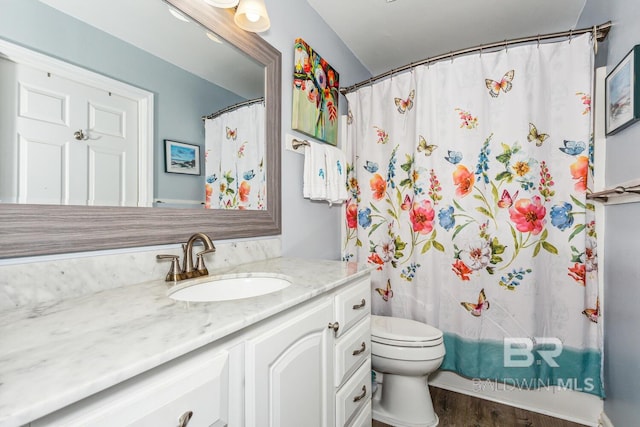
{"points": [[56, 354]]}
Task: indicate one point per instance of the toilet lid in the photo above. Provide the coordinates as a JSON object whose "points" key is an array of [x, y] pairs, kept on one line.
{"points": [[398, 329]]}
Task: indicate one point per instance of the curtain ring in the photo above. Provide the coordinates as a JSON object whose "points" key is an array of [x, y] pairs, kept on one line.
{"points": [[570, 35], [505, 45], [595, 40], [538, 41], [451, 56], [480, 51]]}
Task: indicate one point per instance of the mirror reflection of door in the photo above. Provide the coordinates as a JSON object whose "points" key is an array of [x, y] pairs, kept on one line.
{"points": [[74, 140], [76, 144]]}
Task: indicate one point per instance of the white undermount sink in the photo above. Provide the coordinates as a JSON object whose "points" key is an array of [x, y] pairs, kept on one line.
{"points": [[225, 288]]}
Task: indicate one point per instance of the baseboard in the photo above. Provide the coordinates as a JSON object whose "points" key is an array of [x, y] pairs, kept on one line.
{"points": [[560, 403], [605, 421]]}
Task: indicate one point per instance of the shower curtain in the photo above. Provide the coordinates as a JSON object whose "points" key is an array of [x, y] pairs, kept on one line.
{"points": [[467, 182], [234, 159]]}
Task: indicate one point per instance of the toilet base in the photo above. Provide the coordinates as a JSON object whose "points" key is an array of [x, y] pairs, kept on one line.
{"points": [[396, 409]]}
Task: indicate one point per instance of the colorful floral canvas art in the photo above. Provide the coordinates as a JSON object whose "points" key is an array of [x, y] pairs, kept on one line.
{"points": [[315, 95]]}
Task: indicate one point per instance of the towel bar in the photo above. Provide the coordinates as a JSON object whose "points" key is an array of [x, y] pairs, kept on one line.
{"points": [[296, 143]]}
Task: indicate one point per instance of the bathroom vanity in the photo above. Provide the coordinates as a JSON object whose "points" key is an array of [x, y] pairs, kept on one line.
{"points": [[134, 356]]}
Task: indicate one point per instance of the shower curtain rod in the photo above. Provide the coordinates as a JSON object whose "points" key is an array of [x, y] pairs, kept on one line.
{"points": [[600, 32], [233, 107]]}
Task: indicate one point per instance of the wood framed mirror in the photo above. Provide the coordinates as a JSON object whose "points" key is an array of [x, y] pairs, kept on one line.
{"points": [[29, 230]]}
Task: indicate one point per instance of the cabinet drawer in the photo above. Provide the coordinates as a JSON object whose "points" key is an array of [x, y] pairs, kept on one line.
{"points": [[364, 418], [354, 395], [352, 349], [352, 305], [159, 398]]}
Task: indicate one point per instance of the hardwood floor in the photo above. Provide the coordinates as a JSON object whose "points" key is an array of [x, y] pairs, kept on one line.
{"points": [[460, 410]]}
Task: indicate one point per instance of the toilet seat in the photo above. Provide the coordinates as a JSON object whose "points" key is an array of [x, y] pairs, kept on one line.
{"points": [[400, 332]]}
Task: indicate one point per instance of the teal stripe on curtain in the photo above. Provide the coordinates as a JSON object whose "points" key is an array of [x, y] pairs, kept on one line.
{"points": [[577, 370]]}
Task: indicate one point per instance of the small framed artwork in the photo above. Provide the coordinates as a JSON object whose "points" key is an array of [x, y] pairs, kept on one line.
{"points": [[621, 86], [315, 95], [181, 158]]}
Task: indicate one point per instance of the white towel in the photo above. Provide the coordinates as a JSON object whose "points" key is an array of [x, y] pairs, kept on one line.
{"points": [[336, 175], [315, 175]]}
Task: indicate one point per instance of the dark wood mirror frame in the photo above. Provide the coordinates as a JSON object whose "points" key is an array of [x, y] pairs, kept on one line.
{"points": [[29, 230]]}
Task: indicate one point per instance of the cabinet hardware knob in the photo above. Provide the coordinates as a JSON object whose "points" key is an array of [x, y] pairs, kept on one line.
{"points": [[361, 350], [361, 305], [185, 418], [361, 395], [335, 326]]}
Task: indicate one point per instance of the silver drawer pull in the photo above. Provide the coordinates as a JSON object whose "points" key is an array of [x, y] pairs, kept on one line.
{"points": [[361, 305], [362, 395], [361, 350], [185, 418]]}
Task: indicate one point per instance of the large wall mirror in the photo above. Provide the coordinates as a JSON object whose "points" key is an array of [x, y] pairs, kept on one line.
{"points": [[176, 86]]}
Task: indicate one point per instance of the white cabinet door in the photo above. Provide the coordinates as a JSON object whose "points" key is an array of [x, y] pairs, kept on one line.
{"points": [[289, 371]]}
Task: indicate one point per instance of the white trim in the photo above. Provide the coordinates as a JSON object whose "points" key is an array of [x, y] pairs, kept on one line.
{"points": [[599, 162], [581, 408], [605, 421], [143, 98], [599, 137], [145, 150]]}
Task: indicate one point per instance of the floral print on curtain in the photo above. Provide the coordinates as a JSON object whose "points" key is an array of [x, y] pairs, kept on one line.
{"points": [[234, 159], [468, 182]]}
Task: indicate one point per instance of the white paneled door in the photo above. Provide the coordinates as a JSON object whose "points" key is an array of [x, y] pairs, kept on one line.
{"points": [[76, 144]]}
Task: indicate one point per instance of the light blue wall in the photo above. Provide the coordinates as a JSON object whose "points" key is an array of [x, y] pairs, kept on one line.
{"points": [[622, 234], [310, 229], [181, 98]]}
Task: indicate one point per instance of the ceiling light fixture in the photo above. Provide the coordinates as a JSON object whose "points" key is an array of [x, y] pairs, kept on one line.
{"points": [[222, 3], [251, 15]]}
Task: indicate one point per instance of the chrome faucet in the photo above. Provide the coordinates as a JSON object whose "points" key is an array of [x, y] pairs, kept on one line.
{"points": [[188, 270]]}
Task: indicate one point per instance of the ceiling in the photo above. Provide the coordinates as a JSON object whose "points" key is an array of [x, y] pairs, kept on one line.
{"points": [[184, 44], [383, 34], [386, 34]]}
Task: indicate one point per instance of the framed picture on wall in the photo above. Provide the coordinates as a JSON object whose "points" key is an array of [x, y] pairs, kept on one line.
{"points": [[315, 95], [621, 86], [181, 158]]}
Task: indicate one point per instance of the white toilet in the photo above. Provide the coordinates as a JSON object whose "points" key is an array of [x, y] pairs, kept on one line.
{"points": [[405, 352]]}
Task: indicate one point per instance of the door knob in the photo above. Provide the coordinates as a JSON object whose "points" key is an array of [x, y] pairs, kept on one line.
{"points": [[80, 135]]}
